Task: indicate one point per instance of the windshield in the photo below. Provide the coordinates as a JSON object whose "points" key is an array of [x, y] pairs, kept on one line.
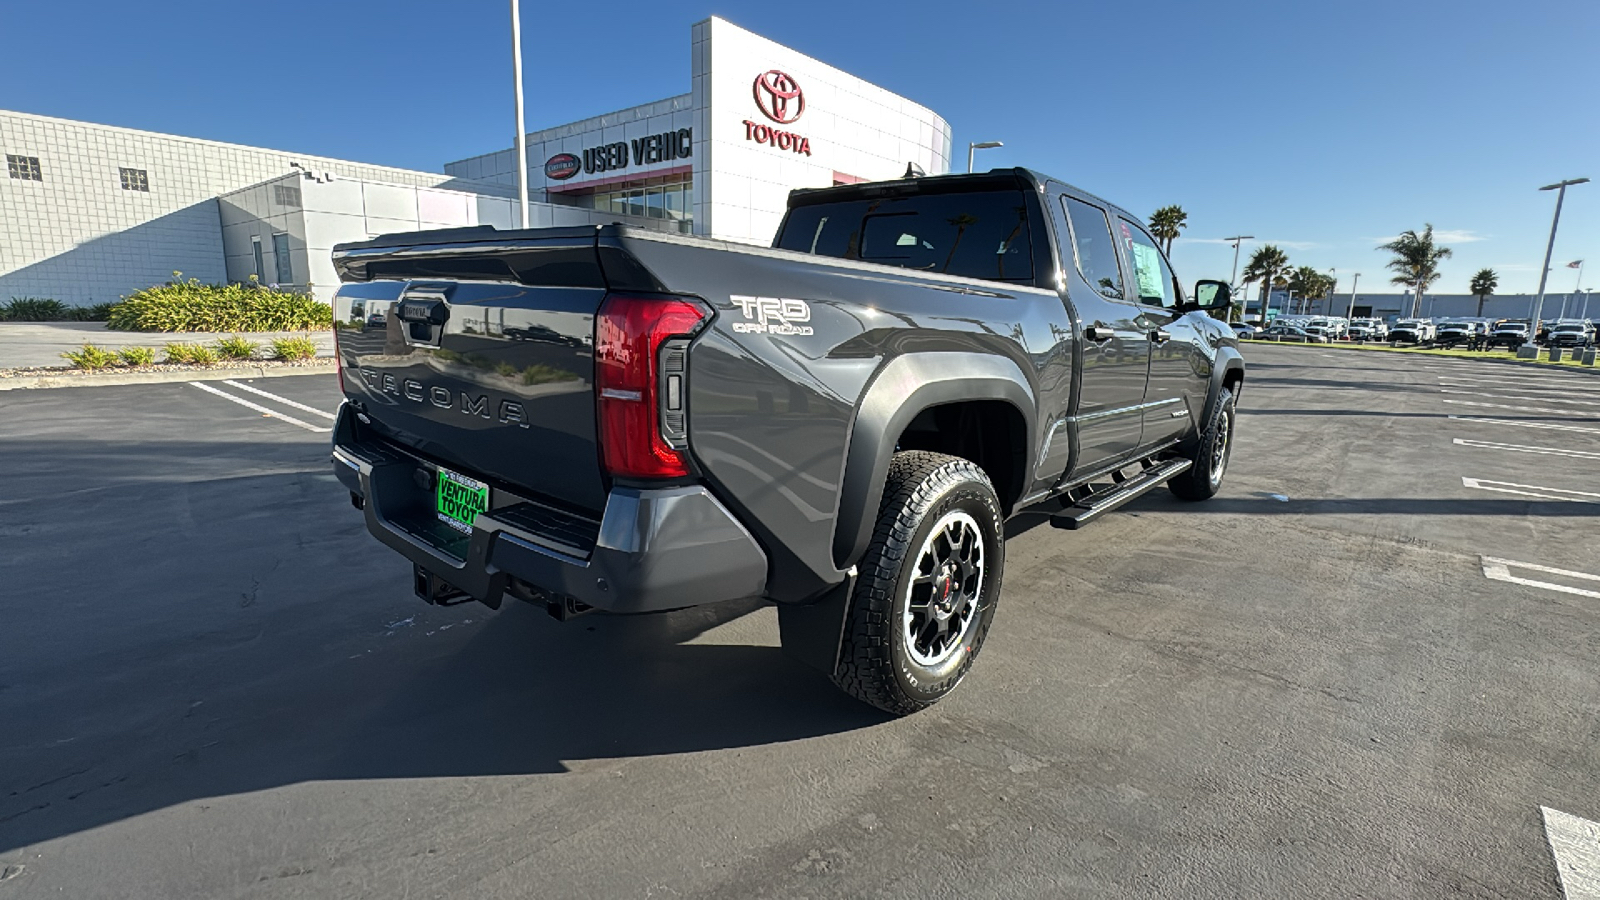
{"points": [[1569, 327], [978, 234]]}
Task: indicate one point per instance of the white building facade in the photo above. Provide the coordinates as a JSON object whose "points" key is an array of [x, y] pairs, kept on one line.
{"points": [[760, 119], [91, 212]]}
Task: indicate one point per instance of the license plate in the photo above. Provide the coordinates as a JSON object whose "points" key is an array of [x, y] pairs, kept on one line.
{"points": [[459, 499]]}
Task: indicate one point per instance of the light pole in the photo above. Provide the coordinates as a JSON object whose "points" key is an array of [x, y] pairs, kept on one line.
{"points": [[981, 145], [1350, 312], [522, 131], [1233, 280], [1560, 188], [1327, 295]]}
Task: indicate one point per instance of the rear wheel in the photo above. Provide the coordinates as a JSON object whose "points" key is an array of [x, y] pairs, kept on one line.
{"points": [[1211, 454], [927, 587]]}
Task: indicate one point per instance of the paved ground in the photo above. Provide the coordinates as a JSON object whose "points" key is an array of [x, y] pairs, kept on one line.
{"points": [[42, 343], [216, 685]]}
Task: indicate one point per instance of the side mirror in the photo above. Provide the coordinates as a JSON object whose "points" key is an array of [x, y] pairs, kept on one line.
{"points": [[1212, 295]]}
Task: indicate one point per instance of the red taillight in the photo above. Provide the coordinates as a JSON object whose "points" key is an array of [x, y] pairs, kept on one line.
{"points": [[628, 334]]}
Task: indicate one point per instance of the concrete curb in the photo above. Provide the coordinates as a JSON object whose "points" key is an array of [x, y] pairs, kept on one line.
{"points": [[31, 382], [1500, 361]]}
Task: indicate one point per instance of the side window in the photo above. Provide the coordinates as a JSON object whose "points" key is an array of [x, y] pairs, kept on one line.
{"points": [[1091, 240], [1152, 275]]}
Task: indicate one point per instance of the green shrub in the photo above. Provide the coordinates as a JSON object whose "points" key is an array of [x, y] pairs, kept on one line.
{"points": [[138, 356], [192, 354], [505, 368], [98, 312], [237, 347], [33, 309], [90, 357], [539, 374], [294, 348], [191, 306]]}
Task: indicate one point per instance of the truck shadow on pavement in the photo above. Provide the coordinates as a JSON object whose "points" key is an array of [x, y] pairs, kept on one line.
{"points": [[270, 652]]}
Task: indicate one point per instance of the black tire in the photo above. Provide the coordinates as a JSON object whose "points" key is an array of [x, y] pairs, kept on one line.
{"points": [[1211, 454], [899, 662]]}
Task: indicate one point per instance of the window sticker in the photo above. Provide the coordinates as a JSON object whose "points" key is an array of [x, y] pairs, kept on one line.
{"points": [[1147, 262]]}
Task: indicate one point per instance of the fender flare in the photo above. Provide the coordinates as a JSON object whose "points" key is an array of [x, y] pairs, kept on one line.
{"points": [[902, 388], [1227, 362]]}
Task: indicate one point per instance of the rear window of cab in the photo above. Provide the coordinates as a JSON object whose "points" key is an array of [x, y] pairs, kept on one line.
{"points": [[976, 234]]}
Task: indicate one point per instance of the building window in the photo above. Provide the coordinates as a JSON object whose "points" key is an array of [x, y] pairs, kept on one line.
{"points": [[24, 167], [255, 244], [669, 198], [285, 195], [135, 180], [280, 256]]}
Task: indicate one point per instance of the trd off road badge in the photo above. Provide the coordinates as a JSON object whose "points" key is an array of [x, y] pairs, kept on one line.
{"points": [[772, 315]]}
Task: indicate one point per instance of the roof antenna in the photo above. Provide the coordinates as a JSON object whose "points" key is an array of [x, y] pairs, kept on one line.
{"points": [[913, 171]]}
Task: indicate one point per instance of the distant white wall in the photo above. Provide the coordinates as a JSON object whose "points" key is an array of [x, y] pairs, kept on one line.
{"points": [[79, 237]]}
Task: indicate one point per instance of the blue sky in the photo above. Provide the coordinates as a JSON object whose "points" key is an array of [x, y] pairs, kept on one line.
{"points": [[1326, 127]]}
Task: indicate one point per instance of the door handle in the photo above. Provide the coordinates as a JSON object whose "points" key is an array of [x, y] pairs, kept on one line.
{"points": [[1159, 336], [1097, 334]]}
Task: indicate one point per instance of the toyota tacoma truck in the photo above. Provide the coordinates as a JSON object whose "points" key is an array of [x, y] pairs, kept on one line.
{"points": [[622, 420]]}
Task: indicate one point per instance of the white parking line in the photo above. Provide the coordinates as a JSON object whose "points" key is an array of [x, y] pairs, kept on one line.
{"points": [[258, 408], [284, 400], [1530, 490], [1565, 412], [1518, 397], [1564, 389], [1514, 375], [1548, 425], [1575, 844], [1523, 448]]}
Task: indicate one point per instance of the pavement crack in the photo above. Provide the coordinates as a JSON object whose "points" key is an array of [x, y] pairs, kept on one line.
{"points": [[51, 781], [20, 813]]}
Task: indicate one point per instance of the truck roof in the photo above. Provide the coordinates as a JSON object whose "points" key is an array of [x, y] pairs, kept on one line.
{"points": [[962, 181]]}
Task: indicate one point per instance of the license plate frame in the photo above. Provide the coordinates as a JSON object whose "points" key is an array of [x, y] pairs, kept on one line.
{"points": [[458, 500]]}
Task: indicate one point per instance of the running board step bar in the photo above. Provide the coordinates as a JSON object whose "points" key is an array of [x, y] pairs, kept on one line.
{"points": [[1085, 503]]}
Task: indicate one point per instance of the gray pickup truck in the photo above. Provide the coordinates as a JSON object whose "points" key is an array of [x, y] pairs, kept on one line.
{"points": [[630, 421]]}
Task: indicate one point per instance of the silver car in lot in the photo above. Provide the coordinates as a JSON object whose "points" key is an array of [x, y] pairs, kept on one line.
{"points": [[1289, 334]]}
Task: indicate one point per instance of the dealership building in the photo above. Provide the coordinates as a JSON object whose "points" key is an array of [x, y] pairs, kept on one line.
{"points": [[90, 213]]}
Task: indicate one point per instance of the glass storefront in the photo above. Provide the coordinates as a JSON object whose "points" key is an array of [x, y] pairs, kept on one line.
{"points": [[670, 197]]}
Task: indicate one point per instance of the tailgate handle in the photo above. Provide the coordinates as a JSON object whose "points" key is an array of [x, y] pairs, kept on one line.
{"points": [[429, 311]]}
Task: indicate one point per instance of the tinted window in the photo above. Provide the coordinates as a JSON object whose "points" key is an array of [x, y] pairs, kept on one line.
{"points": [[978, 234], [1152, 277], [1097, 255]]}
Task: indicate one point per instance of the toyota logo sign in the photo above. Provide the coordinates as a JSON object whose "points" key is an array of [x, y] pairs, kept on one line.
{"points": [[562, 166], [779, 96]]}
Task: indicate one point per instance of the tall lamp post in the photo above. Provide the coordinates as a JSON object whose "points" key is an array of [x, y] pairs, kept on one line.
{"points": [[1350, 312], [1560, 188], [522, 130], [981, 145], [1234, 278]]}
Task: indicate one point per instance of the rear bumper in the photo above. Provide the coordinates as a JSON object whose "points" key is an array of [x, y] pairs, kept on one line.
{"points": [[654, 550]]}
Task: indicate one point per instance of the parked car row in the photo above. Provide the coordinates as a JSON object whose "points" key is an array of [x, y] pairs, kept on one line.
{"points": [[1472, 332]]}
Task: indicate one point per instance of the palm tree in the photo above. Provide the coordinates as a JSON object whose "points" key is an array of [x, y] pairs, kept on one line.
{"points": [[1483, 284], [1416, 262], [1309, 283], [1267, 265], [1166, 223]]}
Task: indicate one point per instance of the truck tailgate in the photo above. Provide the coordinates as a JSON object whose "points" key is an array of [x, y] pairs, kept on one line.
{"points": [[482, 361]]}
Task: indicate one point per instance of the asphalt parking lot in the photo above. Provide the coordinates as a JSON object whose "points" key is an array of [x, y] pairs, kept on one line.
{"points": [[1360, 671]]}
